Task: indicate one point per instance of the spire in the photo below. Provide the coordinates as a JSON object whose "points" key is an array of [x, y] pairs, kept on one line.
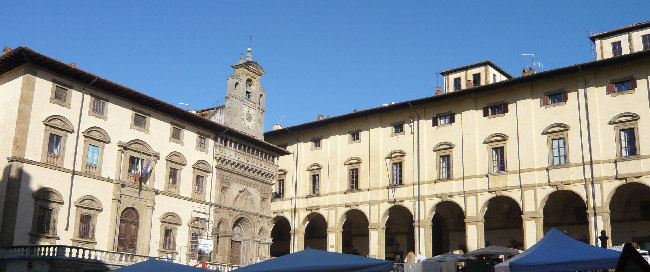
{"points": [[241, 58], [249, 56]]}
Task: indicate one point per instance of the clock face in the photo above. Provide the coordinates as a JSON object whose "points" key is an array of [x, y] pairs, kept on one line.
{"points": [[248, 118]]}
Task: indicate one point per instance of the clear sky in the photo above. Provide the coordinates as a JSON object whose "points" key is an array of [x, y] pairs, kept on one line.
{"points": [[320, 57]]}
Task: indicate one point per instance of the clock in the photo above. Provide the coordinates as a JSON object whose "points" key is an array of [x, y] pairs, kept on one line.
{"points": [[248, 117]]}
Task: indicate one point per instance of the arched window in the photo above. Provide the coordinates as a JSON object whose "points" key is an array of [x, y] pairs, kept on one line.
{"points": [[249, 87], [88, 208], [47, 202]]}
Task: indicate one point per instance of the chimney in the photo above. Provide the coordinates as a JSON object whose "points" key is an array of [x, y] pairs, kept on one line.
{"points": [[438, 91], [530, 71], [319, 117], [6, 50], [524, 72], [469, 84], [354, 110], [74, 65], [277, 126]]}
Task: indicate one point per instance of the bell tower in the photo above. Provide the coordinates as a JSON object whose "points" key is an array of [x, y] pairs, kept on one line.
{"points": [[245, 97]]}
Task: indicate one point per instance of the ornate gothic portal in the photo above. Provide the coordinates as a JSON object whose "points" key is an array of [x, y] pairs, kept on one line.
{"points": [[630, 215], [399, 234], [503, 223]]}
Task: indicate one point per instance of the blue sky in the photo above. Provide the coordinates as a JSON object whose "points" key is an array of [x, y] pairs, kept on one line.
{"points": [[320, 57]]}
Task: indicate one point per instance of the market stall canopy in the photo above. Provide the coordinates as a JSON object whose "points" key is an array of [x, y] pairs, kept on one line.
{"points": [[493, 250], [153, 265], [319, 260], [559, 252], [443, 263]]}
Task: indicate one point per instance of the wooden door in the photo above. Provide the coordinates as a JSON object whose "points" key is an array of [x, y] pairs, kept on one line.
{"points": [[235, 252], [127, 239]]}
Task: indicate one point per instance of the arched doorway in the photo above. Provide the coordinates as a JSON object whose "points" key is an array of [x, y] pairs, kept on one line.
{"points": [[503, 223], [630, 215], [399, 235], [447, 228], [355, 233], [127, 238], [239, 245], [567, 212], [316, 232], [281, 237]]}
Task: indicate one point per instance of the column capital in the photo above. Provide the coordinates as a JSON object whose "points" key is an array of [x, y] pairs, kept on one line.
{"points": [[376, 226], [474, 220], [531, 215]]}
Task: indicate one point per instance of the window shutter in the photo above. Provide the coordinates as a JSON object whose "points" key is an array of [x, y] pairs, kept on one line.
{"points": [[486, 111], [435, 121], [633, 84], [505, 107], [565, 96], [544, 100], [452, 118], [611, 88]]}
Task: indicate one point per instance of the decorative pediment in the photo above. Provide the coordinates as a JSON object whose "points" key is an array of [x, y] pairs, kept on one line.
{"points": [[49, 195], [177, 157], [554, 128], [202, 166], [139, 146], [496, 137], [244, 200], [59, 122], [98, 134], [352, 160], [89, 202], [314, 167], [443, 146], [171, 218], [624, 117], [282, 172], [396, 154]]}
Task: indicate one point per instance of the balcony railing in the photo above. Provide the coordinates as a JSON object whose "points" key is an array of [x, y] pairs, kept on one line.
{"points": [[52, 158], [62, 252]]}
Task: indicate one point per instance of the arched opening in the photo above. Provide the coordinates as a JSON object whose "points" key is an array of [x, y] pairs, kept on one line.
{"points": [[503, 223], [355, 233], [127, 238], [567, 212], [281, 237], [447, 228], [630, 215], [238, 245], [400, 238], [249, 86], [316, 232]]}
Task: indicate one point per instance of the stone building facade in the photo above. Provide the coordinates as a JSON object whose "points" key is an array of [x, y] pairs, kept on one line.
{"points": [[90, 163], [495, 163]]}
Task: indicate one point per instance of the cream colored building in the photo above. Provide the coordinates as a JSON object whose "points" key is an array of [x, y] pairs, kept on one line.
{"points": [[499, 163], [74, 146]]}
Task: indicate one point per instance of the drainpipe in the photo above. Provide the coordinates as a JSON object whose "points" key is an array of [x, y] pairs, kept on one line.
{"points": [[591, 162], [417, 161]]}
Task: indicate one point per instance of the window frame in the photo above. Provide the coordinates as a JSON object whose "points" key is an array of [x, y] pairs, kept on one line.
{"points": [[619, 144], [46, 199], [181, 130], [98, 137], [476, 77], [617, 48], [353, 178], [68, 93], [553, 132], [645, 41], [490, 108], [394, 129], [354, 136], [59, 126], [203, 169], [200, 136], [547, 102], [91, 206], [314, 170], [147, 120], [440, 150], [314, 182], [91, 107], [177, 161], [169, 221], [612, 86], [436, 120], [457, 84], [496, 141], [316, 143]]}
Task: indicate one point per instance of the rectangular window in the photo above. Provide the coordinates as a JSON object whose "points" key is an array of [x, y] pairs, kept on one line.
{"points": [[617, 49], [315, 183], [628, 142], [93, 155], [201, 143], [495, 110], [498, 159], [354, 136], [98, 106], [397, 173], [173, 176], [622, 86], [54, 144], [140, 121], [85, 227], [559, 151], [646, 41], [61, 94], [316, 143], [445, 166], [476, 79], [168, 240], [354, 178], [457, 84], [280, 188], [399, 128], [135, 164], [44, 223], [554, 98], [198, 184], [176, 133]]}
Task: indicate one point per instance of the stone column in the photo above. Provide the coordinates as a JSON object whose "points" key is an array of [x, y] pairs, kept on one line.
{"points": [[299, 237], [474, 229], [428, 240], [421, 229], [376, 248], [335, 239], [533, 228], [602, 219]]}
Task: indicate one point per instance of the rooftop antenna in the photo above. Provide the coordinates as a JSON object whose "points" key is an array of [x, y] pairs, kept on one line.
{"points": [[250, 40], [591, 45], [281, 118], [187, 106], [536, 65]]}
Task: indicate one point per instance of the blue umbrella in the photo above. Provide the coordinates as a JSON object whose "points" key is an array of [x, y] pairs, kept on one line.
{"points": [[154, 265]]}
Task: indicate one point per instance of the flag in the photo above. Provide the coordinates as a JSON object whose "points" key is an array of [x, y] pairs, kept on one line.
{"points": [[146, 169], [137, 176]]}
